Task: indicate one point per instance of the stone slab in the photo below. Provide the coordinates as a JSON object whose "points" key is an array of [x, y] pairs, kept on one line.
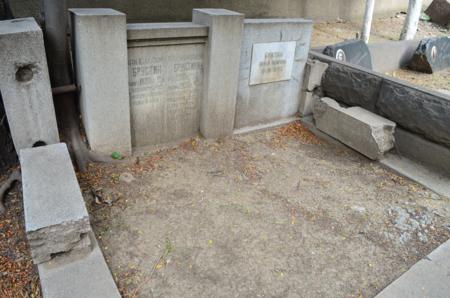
{"points": [[400, 53], [352, 86], [166, 89], [25, 84], [351, 51], [221, 73], [100, 47], [86, 276], [265, 103], [432, 155], [418, 110], [56, 219], [432, 55], [428, 278], [364, 131]]}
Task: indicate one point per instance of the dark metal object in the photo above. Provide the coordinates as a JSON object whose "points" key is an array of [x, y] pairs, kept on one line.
{"points": [[65, 89]]}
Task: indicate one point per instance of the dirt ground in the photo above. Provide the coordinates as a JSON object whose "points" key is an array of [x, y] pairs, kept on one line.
{"points": [[270, 214], [385, 29]]}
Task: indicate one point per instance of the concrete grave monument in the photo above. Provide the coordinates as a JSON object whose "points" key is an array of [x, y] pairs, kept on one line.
{"points": [[432, 55], [165, 63], [25, 84], [273, 58]]}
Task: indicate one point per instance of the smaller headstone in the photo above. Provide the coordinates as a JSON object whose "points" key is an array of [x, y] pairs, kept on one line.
{"points": [[364, 131], [439, 12], [56, 219], [351, 51], [432, 55]]}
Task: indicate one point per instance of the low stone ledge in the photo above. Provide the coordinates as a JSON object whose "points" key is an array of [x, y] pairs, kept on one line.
{"points": [[364, 131], [56, 219]]}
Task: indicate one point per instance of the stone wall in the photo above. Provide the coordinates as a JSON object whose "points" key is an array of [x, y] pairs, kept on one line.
{"points": [[180, 10]]}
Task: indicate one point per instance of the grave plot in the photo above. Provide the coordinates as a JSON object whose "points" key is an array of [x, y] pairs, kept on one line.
{"points": [[274, 213]]}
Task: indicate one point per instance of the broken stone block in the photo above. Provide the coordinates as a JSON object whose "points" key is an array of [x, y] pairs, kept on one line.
{"points": [[314, 71], [25, 84], [364, 131], [306, 103], [351, 51], [432, 55], [56, 219]]}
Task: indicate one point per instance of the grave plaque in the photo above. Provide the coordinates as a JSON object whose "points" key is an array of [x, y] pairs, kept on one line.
{"points": [[165, 92], [272, 62]]}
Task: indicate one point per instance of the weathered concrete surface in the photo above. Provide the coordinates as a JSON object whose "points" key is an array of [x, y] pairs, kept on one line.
{"points": [[221, 70], [25, 84], [418, 110], [314, 71], [432, 155], [85, 276], [265, 103], [400, 54], [432, 55], [351, 51], [368, 133], [166, 78], [428, 278], [351, 86], [56, 219], [101, 64]]}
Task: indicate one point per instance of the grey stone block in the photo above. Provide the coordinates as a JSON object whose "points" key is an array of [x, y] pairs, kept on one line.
{"points": [[427, 278], [306, 103], [221, 71], [56, 219], [78, 277], [101, 64], [25, 84], [352, 86], [366, 132], [275, 100], [314, 71], [417, 110]]}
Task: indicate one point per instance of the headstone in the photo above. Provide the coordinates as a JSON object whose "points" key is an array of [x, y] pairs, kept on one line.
{"points": [[25, 84], [432, 55], [100, 47], [56, 219], [439, 12], [166, 81], [221, 70], [364, 131], [351, 51], [273, 58]]}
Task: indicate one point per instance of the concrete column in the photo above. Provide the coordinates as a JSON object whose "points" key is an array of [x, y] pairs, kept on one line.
{"points": [[101, 65], [221, 73], [25, 84]]}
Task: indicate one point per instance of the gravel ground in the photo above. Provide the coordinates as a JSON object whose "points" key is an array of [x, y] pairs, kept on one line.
{"points": [[269, 214]]}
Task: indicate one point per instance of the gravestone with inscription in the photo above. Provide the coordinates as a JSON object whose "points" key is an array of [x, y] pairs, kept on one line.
{"points": [[165, 79], [273, 58]]}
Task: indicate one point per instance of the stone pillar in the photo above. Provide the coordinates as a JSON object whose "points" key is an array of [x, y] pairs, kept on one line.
{"points": [[221, 73], [25, 84], [101, 65]]}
